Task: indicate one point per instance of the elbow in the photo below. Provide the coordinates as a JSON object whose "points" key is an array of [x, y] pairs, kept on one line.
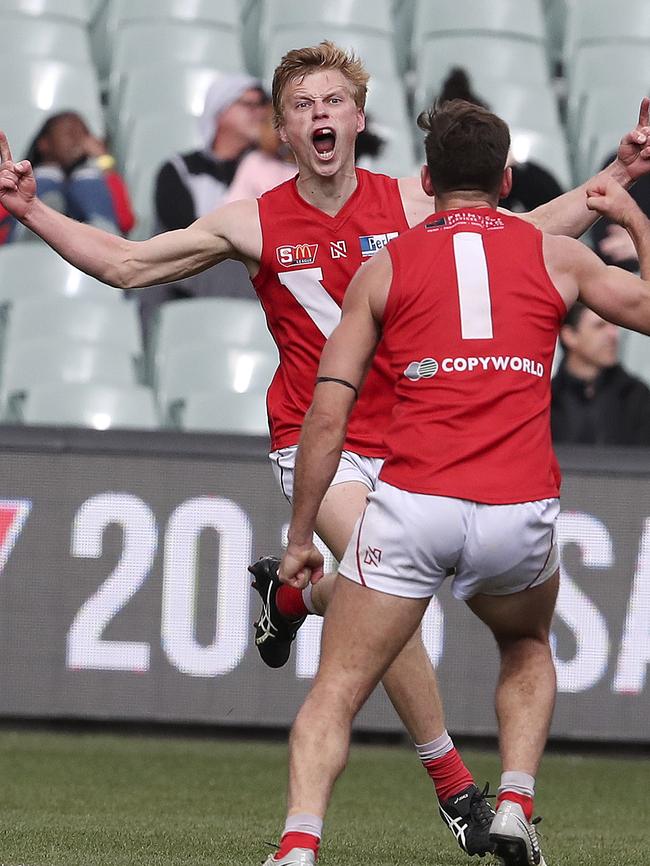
{"points": [[327, 424], [122, 272]]}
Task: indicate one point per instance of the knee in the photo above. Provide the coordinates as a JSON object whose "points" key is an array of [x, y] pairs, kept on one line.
{"points": [[524, 647]]}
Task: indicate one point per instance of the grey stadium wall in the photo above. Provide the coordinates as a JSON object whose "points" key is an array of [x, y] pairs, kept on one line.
{"points": [[124, 593]]}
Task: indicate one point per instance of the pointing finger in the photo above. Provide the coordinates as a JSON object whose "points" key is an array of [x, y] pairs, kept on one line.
{"points": [[5, 150], [644, 111]]}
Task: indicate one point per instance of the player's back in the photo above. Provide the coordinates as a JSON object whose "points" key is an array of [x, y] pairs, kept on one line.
{"points": [[470, 326]]}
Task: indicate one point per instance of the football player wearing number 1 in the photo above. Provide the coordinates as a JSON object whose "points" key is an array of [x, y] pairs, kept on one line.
{"points": [[301, 244], [468, 306]]}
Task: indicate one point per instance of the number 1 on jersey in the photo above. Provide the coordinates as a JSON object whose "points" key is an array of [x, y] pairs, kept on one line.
{"points": [[473, 287]]}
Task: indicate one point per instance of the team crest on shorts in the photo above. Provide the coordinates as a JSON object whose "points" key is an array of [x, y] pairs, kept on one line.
{"points": [[292, 256], [373, 556]]}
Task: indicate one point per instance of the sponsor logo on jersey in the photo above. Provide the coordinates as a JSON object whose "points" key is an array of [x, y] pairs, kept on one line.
{"points": [[450, 220], [299, 254], [373, 556], [371, 244], [338, 250], [428, 367], [424, 369]]}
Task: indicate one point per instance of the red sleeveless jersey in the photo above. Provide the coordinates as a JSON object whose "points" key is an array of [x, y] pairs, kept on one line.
{"points": [[308, 259], [470, 324]]}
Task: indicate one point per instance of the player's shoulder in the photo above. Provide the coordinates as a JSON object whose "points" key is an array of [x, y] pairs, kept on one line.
{"points": [[560, 249]]}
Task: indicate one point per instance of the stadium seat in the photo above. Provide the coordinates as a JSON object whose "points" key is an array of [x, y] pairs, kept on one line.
{"points": [[227, 321], [31, 36], [173, 43], [600, 21], [224, 14], [42, 361], [403, 13], [521, 19], [606, 113], [506, 59], [210, 367], [79, 11], [86, 405], [251, 15], [596, 66], [33, 269], [51, 86], [105, 323], [556, 14], [222, 411], [342, 15], [157, 89]]}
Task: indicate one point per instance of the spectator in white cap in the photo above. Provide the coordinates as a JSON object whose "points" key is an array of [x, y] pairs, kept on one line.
{"points": [[189, 185]]}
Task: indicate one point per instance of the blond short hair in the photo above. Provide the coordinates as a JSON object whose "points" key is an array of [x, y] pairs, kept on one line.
{"points": [[326, 55]]}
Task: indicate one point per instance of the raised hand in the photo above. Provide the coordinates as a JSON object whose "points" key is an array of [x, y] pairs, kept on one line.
{"points": [[609, 199], [634, 148], [301, 565], [17, 183]]}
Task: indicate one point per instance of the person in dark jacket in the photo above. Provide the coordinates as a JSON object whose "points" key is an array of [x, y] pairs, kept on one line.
{"points": [[594, 400]]}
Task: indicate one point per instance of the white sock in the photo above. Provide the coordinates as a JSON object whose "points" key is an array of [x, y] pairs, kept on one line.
{"points": [[436, 748], [519, 783], [304, 823]]}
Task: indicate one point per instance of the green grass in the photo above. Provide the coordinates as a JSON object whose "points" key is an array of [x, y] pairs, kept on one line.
{"points": [[98, 800]]}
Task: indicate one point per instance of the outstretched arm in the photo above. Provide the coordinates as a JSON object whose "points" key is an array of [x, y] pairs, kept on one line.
{"points": [[568, 214], [344, 363], [231, 232], [615, 294]]}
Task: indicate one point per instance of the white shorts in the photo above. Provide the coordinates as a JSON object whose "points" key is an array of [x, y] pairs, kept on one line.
{"points": [[405, 543], [352, 467]]}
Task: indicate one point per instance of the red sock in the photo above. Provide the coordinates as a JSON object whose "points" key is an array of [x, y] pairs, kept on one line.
{"points": [[297, 840], [524, 801], [448, 774], [289, 602]]}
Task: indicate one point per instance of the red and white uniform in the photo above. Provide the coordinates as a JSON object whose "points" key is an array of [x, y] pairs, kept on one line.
{"points": [[308, 259], [470, 326], [470, 481]]}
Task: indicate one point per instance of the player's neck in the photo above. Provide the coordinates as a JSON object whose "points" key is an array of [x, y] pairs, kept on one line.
{"points": [[328, 194], [460, 201]]}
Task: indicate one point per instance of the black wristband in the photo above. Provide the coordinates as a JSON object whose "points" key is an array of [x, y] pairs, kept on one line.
{"points": [[339, 382]]}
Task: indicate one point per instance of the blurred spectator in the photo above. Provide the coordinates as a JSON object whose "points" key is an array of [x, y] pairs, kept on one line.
{"points": [[594, 400], [269, 165], [612, 243], [532, 185], [191, 185], [368, 145], [75, 175]]}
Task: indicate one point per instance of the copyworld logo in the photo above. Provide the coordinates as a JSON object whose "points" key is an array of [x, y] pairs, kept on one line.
{"points": [[428, 367], [424, 369]]}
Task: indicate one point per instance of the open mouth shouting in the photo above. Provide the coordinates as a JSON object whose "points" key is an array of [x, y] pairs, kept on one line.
{"points": [[324, 140]]}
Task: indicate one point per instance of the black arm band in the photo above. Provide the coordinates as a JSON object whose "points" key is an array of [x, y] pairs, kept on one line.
{"points": [[340, 382]]}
